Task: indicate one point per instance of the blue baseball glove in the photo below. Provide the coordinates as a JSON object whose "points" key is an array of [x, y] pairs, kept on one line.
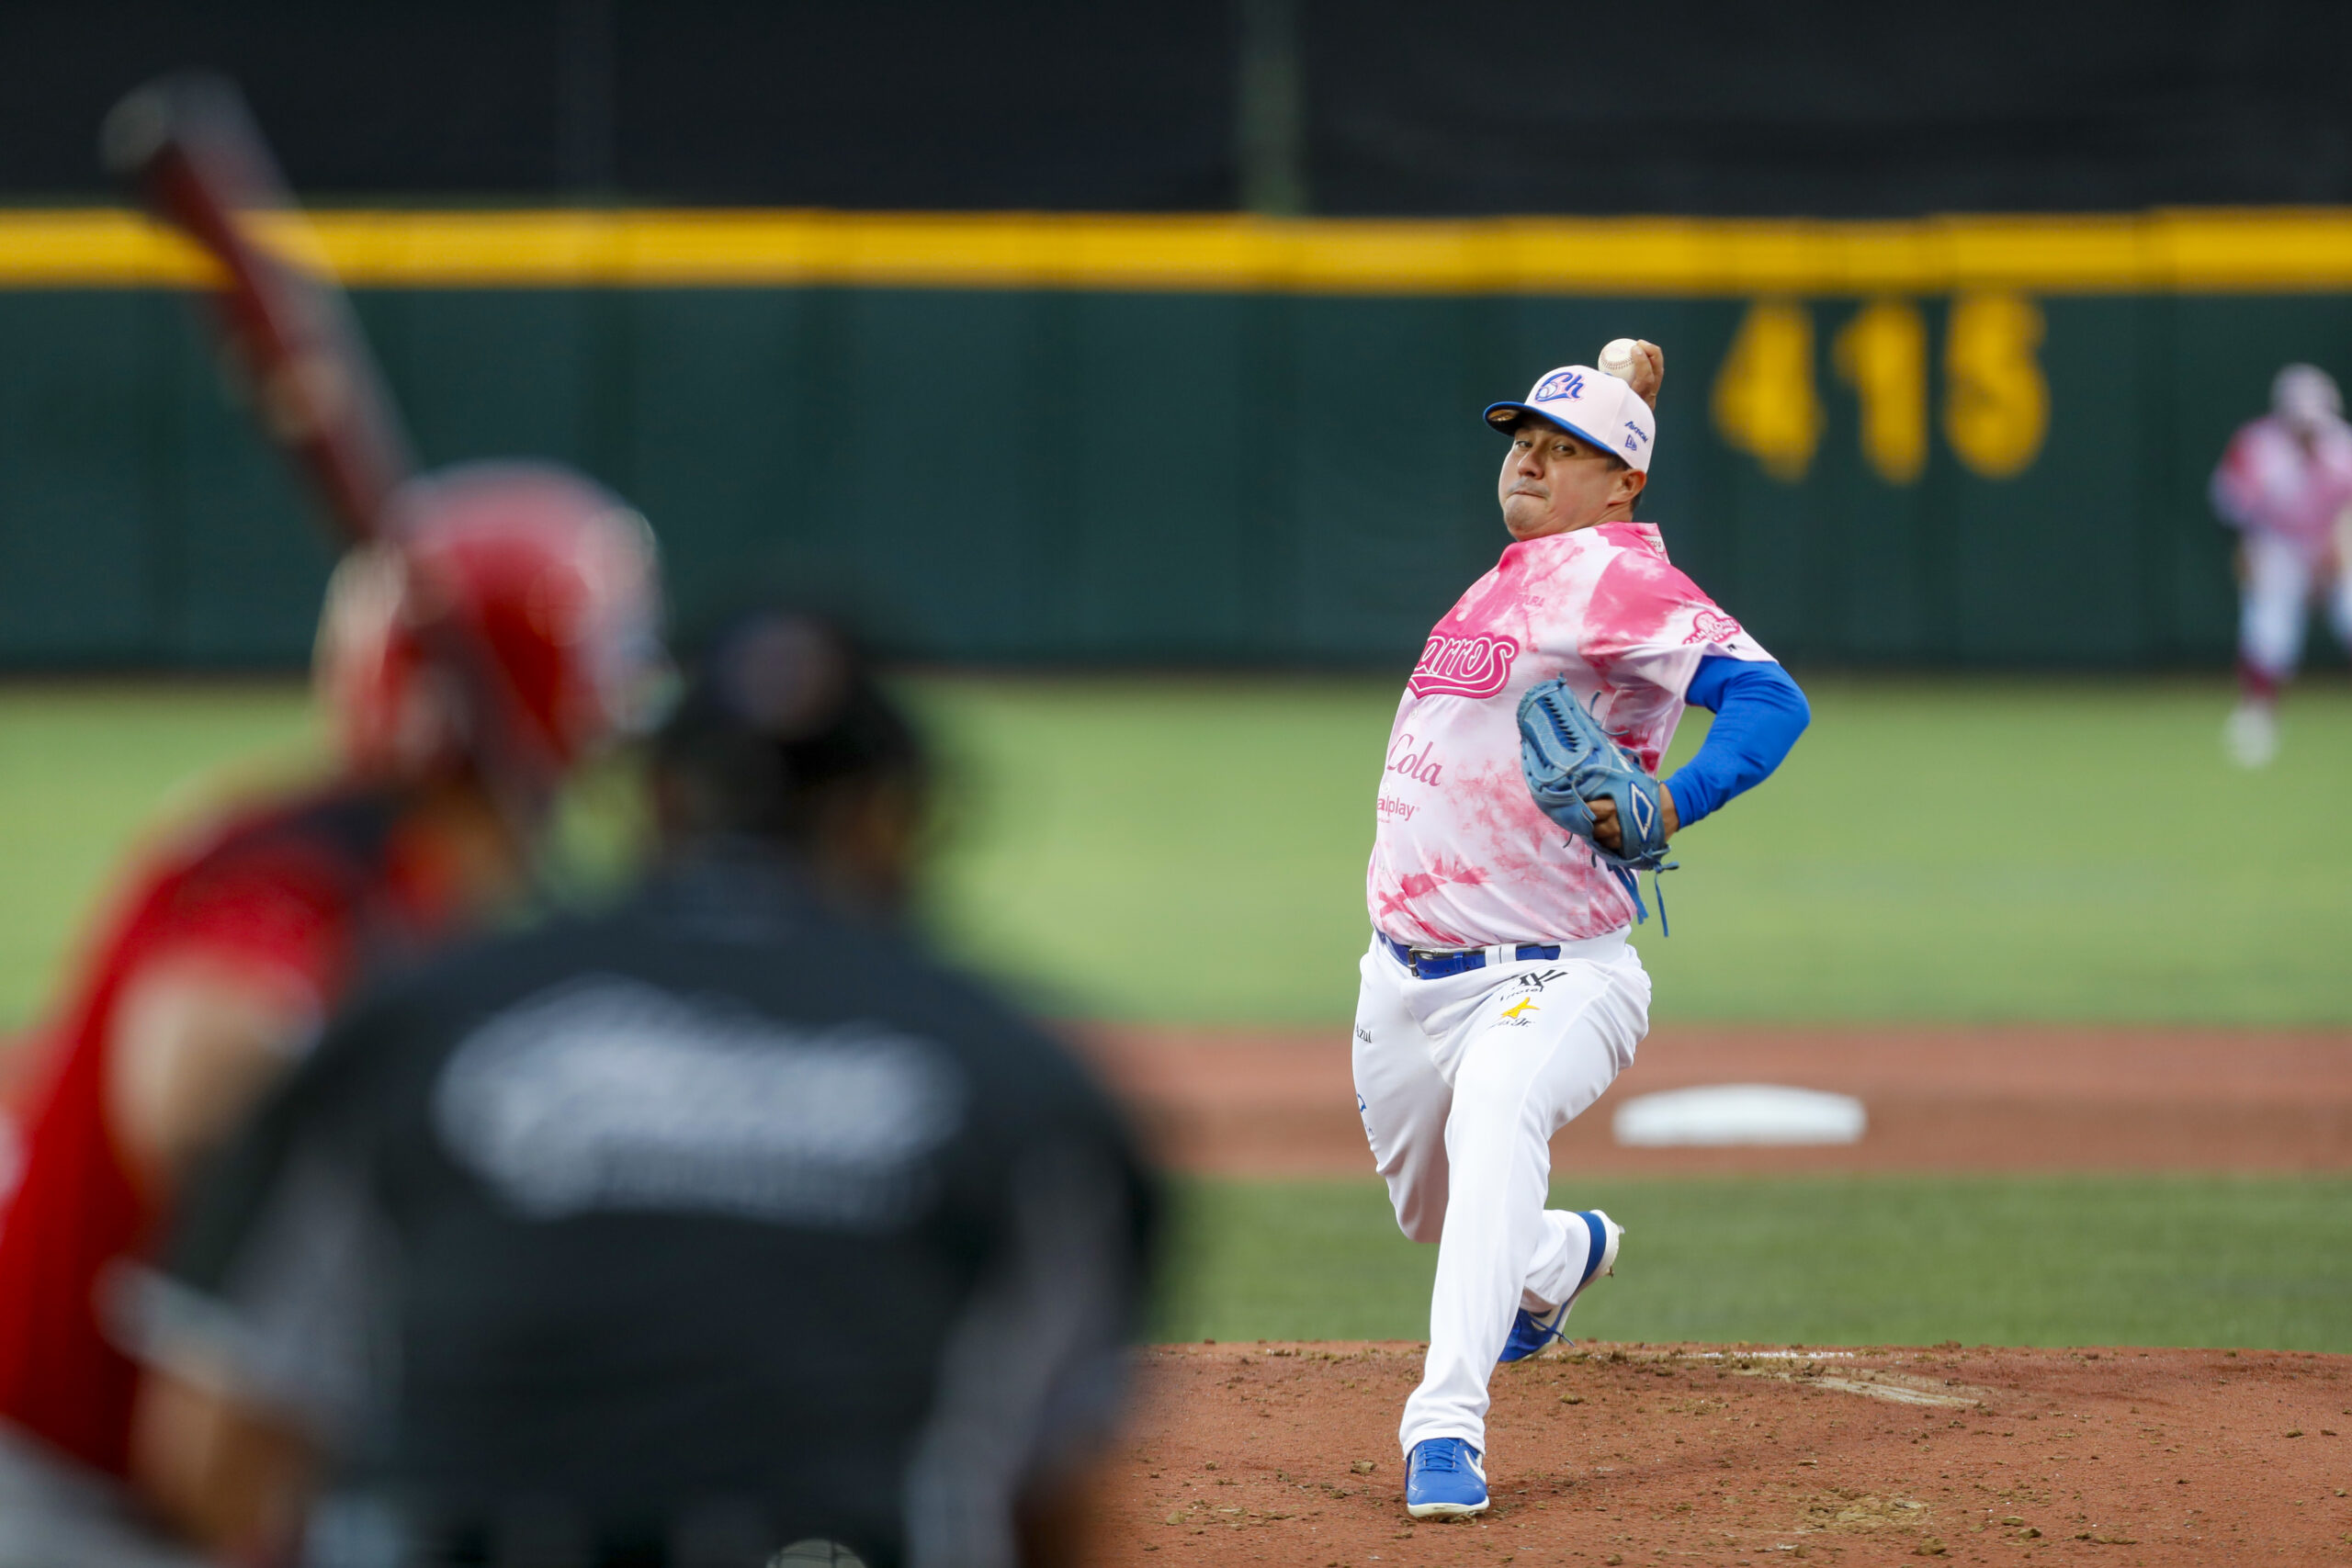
{"points": [[1570, 759]]}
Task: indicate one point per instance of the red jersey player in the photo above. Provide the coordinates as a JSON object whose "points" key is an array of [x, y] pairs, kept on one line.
{"points": [[502, 634]]}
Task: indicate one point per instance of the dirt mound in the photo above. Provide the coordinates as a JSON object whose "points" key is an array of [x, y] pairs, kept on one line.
{"points": [[1286, 1453]]}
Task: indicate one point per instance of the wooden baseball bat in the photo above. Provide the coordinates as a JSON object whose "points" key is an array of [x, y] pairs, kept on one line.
{"points": [[191, 150], [186, 144]]}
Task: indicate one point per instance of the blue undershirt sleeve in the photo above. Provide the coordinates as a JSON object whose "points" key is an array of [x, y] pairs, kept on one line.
{"points": [[1759, 712]]}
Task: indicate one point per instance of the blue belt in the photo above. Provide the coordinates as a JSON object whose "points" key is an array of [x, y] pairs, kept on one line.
{"points": [[1438, 965]]}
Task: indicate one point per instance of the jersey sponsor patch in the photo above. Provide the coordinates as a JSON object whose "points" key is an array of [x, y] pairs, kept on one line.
{"points": [[609, 1094], [1711, 625], [1464, 666]]}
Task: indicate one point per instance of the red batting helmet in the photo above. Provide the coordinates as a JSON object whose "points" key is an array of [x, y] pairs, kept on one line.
{"points": [[507, 619]]}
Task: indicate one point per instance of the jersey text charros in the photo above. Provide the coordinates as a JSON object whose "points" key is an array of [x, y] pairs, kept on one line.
{"points": [[1461, 856]]}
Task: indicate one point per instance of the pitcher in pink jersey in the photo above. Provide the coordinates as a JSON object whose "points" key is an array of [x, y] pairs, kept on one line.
{"points": [[2285, 484], [1474, 863], [1500, 996]]}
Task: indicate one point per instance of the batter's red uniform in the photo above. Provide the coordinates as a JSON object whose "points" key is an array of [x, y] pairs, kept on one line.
{"points": [[309, 894]]}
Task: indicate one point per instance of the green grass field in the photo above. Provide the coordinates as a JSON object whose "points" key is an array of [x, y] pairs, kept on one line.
{"points": [[1822, 1260], [1193, 851], [1992, 850]]}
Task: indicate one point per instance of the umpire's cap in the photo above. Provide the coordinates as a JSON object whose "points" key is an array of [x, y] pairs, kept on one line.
{"points": [[782, 706]]}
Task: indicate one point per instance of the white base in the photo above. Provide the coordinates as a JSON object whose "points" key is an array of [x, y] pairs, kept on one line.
{"points": [[1737, 1114]]}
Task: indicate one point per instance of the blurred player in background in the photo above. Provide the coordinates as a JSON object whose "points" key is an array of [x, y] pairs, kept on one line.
{"points": [[2285, 485], [225, 950], [723, 1223]]}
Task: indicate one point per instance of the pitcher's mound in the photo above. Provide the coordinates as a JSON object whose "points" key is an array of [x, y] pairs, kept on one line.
{"points": [[1285, 1453]]}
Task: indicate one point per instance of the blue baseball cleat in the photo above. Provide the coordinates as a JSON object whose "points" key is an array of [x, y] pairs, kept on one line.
{"points": [[1529, 1333], [1442, 1479]]}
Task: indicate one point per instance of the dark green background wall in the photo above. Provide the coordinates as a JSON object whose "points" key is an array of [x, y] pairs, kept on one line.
{"points": [[1081, 478]]}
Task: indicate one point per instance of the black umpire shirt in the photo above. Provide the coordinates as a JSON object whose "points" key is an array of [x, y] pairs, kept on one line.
{"points": [[676, 1233]]}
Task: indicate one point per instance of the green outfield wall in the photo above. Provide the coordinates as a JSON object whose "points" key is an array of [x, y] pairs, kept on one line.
{"points": [[1203, 442]]}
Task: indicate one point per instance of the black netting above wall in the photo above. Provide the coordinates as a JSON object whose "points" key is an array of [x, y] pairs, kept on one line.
{"points": [[1037, 104], [1339, 107], [1825, 108]]}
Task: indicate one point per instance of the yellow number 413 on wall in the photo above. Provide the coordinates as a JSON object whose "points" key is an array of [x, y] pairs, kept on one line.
{"points": [[1995, 402]]}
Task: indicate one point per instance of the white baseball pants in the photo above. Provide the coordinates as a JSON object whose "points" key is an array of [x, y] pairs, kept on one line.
{"points": [[1462, 1082], [2274, 604]]}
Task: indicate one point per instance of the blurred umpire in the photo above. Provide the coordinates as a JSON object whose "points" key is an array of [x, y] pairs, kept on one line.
{"points": [[725, 1225]]}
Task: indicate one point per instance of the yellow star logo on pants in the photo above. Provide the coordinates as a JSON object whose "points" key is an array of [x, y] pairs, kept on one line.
{"points": [[1527, 1004]]}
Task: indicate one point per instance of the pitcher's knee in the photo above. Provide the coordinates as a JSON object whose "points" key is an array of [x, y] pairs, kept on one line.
{"points": [[1420, 1214], [1502, 1108]]}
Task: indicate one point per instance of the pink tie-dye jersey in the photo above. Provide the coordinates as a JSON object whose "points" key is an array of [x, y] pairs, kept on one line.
{"points": [[1461, 856]]}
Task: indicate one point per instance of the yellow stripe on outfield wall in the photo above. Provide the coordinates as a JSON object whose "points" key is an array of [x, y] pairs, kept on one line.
{"points": [[2203, 250]]}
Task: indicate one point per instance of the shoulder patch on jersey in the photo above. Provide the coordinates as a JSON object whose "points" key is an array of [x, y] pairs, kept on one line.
{"points": [[1711, 625]]}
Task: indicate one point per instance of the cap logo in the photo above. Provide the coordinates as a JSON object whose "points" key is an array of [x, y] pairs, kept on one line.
{"points": [[1557, 386], [1633, 441]]}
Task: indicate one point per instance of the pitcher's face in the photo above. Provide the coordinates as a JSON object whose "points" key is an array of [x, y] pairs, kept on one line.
{"points": [[1554, 482]]}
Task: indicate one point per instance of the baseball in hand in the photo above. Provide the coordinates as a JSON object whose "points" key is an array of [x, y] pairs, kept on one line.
{"points": [[1619, 358]]}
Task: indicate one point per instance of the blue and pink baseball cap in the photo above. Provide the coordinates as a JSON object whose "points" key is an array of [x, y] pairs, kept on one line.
{"points": [[1588, 403]]}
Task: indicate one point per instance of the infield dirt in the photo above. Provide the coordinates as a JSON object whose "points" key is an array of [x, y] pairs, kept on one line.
{"points": [[1286, 1453], [1270, 1102]]}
